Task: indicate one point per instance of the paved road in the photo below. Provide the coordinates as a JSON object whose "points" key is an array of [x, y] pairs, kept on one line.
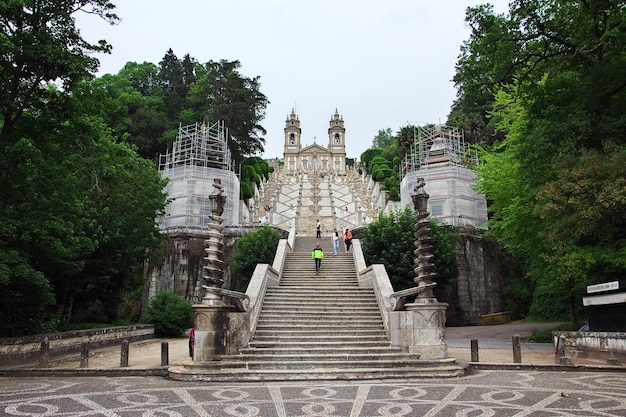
{"points": [[487, 393]]}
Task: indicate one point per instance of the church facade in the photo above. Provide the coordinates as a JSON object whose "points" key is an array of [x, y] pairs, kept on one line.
{"points": [[315, 157]]}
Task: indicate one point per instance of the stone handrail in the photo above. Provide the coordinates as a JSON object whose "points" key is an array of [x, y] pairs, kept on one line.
{"points": [[263, 276], [266, 276], [398, 298], [374, 276], [238, 299]]}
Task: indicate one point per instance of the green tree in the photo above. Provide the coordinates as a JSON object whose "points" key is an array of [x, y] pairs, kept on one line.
{"points": [[173, 84], [384, 138], [257, 247], [132, 104], [222, 93], [41, 44], [406, 137], [78, 208], [559, 96]]}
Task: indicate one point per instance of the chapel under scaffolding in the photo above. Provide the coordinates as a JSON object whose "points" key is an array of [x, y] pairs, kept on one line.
{"points": [[199, 155], [441, 156]]}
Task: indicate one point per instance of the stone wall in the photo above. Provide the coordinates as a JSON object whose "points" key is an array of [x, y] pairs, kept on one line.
{"points": [[25, 350], [477, 289], [181, 269], [598, 345]]}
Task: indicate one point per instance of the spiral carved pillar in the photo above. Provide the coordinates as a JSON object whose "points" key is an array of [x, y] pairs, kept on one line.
{"points": [[213, 269], [419, 328], [424, 274], [212, 316]]}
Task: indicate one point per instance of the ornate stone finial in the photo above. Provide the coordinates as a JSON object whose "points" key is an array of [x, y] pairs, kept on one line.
{"points": [[424, 269]]}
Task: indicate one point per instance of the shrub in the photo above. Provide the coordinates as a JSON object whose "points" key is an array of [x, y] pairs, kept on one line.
{"points": [[170, 313], [390, 241], [258, 247], [368, 155], [246, 190], [394, 194], [382, 172]]}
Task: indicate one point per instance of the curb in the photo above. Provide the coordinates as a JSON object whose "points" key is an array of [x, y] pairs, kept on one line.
{"points": [[163, 371], [82, 372], [484, 366]]}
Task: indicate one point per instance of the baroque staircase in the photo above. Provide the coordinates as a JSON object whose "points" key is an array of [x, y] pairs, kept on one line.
{"points": [[319, 326]]}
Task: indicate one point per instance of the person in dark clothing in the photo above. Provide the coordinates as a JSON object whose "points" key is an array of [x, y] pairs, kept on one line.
{"points": [[347, 237], [318, 229]]}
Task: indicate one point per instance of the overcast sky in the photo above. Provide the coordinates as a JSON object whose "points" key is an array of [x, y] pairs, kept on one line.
{"points": [[380, 63]]}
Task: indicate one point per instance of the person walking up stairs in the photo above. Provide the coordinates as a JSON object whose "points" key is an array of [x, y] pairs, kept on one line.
{"points": [[318, 255]]}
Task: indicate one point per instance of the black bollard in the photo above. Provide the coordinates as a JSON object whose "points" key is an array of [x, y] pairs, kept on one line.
{"points": [[84, 355], [517, 349], [44, 353], [165, 354], [474, 349], [124, 354]]}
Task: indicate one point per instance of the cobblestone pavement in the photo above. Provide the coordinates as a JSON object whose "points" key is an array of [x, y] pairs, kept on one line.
{"points": [[487, 393]]}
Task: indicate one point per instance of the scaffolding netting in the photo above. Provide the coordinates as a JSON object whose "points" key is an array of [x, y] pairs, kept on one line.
{"points": [[441, 156], [199, 155]]}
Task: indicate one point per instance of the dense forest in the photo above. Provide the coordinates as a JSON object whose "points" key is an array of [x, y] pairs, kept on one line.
{"points": [[80, 189]]}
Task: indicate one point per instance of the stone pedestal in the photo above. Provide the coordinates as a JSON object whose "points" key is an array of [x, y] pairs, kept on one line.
{"points": [[219, 330], [420, 329]]}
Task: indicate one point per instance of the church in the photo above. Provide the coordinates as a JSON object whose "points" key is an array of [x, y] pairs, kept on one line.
{"points": [[315, 157]]}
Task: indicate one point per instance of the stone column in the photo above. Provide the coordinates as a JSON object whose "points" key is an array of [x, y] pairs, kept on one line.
{"points": [[211, 319], [425, 319]]}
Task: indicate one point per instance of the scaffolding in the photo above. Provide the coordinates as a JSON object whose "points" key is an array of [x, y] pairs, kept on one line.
{"points": [[441, 156], [436, 144], [199, 155]]}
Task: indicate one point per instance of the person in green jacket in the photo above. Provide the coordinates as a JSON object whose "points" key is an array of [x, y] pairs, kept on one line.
{"points": [[317, 254]]}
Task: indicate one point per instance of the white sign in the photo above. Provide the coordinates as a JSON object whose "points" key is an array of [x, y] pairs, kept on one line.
{"points": [[607, 286]]}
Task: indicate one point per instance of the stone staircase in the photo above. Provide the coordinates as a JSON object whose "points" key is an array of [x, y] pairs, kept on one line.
{"points": [[321, 326]]}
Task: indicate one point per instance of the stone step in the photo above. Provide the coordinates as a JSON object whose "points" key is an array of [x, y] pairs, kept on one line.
{"points": [[309, 268], [277, 327], [339, 339], [321, 350], [320, 302], [328, 344], [252, 363], [311, 334], [304, 323], [313, 312], [304, 291], [325, 276], [222, 372], [317, 317], [278, 320], [312, 283], [257, 355]]}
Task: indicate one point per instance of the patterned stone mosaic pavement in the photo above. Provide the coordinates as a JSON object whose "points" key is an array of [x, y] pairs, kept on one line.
{"points": [[487, 393]]}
